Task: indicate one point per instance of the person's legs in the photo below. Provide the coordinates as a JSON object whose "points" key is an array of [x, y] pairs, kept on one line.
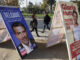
{"points": [[44, 28], [32, 29], [48, 27], [37, 32]]}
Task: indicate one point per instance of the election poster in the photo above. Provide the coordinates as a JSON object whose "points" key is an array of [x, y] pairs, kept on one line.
{"points": [[2, 26], [4, 35], [57, 30], [18, 30], [72, 28]]}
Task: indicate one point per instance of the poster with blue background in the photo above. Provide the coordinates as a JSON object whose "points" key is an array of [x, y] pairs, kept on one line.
{"points": [[18, 30]]}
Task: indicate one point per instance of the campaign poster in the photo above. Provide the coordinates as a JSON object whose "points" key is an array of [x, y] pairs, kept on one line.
{"points": [[72, 28], [2, 26], [18, 30], [4, 36], [57, 30]]}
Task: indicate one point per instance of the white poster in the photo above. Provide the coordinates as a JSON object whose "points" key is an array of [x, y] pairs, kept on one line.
{"points": [[4, 35], [57, 29]]}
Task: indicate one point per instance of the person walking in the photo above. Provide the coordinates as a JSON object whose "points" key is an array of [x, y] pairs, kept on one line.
{"points": [[34, 24], [46, 21]]}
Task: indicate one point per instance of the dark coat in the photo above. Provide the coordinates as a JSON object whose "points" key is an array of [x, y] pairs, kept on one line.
{"points": [[46, 19], [35, 22]]}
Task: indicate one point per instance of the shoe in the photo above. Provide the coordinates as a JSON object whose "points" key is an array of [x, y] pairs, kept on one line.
{"points": [[38, 36], [42, 31]]}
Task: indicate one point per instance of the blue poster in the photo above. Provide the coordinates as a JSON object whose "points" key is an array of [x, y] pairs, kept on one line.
{"points": [[18, 30]]}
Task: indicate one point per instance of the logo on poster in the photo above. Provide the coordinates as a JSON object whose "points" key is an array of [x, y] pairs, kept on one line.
{"points": [[11, 14], [67, 12]]}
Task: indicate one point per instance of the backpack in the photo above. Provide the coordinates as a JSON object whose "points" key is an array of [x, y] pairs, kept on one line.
{"points": [[31, 24]]}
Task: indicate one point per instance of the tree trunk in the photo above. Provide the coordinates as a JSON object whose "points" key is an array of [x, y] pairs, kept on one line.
{"points": [[51, 8]]}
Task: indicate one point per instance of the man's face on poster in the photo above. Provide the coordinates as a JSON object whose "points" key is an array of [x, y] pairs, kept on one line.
{"points": [[75, 18], [21, 34]]}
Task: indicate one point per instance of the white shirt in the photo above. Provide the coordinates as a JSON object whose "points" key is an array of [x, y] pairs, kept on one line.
{"points": [[76, 31], [28, 48], [78, 57]]}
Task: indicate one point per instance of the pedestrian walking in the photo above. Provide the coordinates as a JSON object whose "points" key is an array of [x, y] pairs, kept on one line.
{"points": [[46, 21], [34, 24]]}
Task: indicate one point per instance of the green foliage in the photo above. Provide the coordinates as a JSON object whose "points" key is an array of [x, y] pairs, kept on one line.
{"points": [[78, 4], [50, 3], [12, 3], [34, 8], [44, 6], [37, 15]]}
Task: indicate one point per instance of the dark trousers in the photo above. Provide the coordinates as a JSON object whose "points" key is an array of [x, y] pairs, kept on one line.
{"points": [[46, 25], [35, 30]]}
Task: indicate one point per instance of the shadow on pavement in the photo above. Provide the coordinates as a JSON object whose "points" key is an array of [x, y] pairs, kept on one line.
{"points": [[58, 52], [8, 44], [55, 52]]}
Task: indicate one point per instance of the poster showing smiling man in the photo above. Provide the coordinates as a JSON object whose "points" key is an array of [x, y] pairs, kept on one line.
{"points": [[72, 29], [18, 30]]}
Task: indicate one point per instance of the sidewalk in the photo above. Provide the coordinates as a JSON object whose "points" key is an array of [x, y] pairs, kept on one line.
{"points": [[58, 52], [43, 36]]}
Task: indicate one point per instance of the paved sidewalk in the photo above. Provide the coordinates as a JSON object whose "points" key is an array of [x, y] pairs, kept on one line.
{"points": [[58, 52]]}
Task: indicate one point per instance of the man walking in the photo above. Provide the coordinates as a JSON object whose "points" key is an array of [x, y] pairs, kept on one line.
{"points": [[46, 21]]}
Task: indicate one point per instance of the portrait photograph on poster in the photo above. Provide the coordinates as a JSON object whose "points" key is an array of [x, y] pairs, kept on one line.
{"points": [[72, 28], [18, 30]]}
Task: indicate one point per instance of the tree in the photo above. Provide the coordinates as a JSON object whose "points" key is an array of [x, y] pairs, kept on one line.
{"points": [[51, 2], [44, 5], [10, 2], [30, 6], [78, 4], [20, 2], [13, 4]]}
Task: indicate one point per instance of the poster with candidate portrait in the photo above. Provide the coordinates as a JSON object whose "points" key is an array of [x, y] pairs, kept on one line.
{"points": [[72, 28], [3, 32], [4, 35], [57, 30], [18, 30], [2, 26]]}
